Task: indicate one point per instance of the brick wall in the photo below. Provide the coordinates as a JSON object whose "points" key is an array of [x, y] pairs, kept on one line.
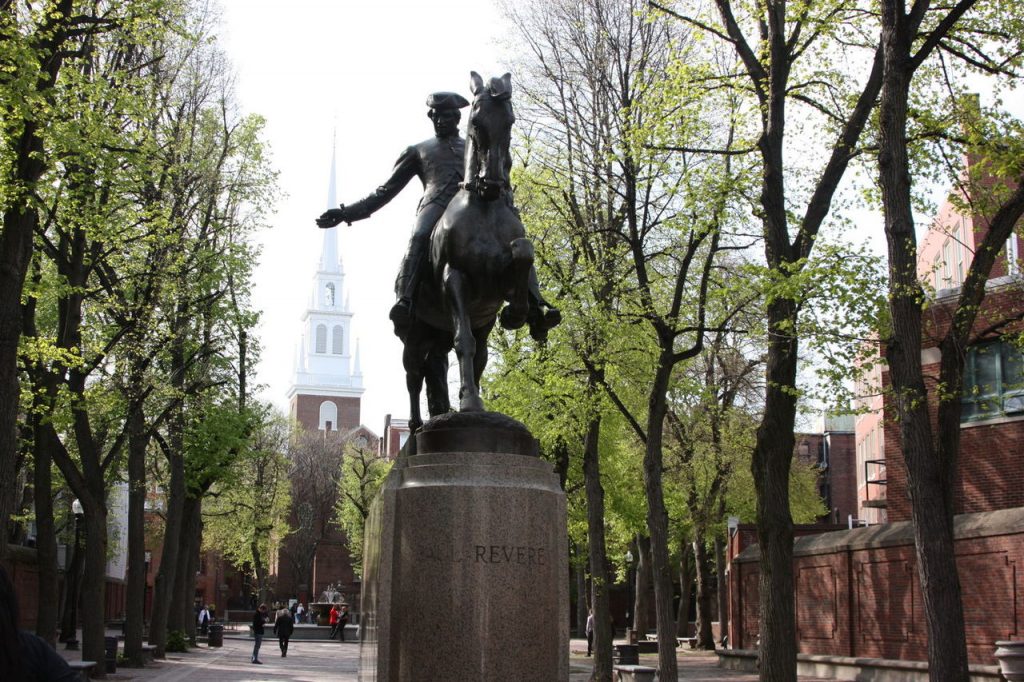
{"points": [[21, 566], [858, 593]]}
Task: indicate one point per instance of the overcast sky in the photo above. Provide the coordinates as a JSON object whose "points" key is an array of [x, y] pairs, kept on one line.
{"points": [[365, 68]]}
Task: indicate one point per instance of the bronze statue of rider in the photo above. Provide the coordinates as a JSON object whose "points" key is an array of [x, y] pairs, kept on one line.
{"points": [[439, 163]]}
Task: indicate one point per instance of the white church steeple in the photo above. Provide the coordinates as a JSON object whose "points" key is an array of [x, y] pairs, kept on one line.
{"points": [[325, 380]]}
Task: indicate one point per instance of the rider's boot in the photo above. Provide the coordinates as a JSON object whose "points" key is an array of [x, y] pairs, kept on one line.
{"points": [[401, 314]]}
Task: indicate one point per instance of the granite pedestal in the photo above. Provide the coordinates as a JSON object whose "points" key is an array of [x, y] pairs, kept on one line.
{"points": [[466, 563]]}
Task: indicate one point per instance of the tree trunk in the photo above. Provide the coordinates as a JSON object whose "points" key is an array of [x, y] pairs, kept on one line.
{"points": [[685, 586], [46, 535], [182, 615], [135, 597], [657, 518], [773, 455], [704, 633], [94, 577], [163, 586], [602, 671], [928, 475]]}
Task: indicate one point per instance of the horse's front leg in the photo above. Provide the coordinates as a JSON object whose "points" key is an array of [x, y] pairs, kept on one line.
{"points": [[480, 360], [513, 316], [454, 285]]}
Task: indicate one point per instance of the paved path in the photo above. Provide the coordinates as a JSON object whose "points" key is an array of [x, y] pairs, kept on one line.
{"points": [[339, 662]]}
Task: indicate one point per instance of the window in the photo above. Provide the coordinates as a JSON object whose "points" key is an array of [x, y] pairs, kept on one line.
{"points": [[993, 381], [328, 415], [337, 339], [947, 265], [1012, 255], [329, 295], [321, 338]]}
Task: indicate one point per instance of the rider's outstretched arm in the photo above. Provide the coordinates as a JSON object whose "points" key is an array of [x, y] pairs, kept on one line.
{"points": [[406, 168]]}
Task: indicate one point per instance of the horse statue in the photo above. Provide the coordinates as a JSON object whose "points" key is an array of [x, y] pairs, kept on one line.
{"points": [[479, 259]]}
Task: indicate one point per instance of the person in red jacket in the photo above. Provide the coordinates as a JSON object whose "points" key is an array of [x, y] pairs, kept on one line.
{"points": [[335, 619]]}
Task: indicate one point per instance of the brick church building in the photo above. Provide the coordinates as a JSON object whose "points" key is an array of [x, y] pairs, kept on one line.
{"points": [[325, 398]]}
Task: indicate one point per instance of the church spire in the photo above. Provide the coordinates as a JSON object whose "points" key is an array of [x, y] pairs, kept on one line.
{"points": [[329, 261]]}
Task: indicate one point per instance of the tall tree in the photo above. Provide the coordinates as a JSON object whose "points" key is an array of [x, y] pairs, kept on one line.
{"points": [[362, 475], [788, 64], [316, 459], [34, 46], [246, 513], [911, 37]]}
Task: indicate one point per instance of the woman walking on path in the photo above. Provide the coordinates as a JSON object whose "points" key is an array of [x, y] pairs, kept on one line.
{"points": [[283, 627]]}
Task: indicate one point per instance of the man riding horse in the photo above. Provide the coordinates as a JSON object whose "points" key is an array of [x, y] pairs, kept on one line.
{"points": [[438, 162]]}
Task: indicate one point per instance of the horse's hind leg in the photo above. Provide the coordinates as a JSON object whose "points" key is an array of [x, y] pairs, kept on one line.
{"points": [[412, 360], [436, 374], [453, 284], [513, 316]]}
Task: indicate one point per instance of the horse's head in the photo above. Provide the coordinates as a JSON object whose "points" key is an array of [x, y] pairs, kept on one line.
{"points": [[490, 132]]}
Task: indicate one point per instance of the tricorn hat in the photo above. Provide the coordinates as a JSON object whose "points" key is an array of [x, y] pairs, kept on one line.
{"points": [[446, 100]]}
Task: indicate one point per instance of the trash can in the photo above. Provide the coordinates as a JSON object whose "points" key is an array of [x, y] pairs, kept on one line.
{"points": [[628, 654], [110, 653], [216, 636]]}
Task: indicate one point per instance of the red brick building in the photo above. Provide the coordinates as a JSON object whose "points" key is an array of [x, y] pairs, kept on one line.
{"points": [[831, 449], [857, 591]]}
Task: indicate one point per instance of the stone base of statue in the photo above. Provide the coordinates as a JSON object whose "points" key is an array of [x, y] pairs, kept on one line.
{"points": [[465, 568]]}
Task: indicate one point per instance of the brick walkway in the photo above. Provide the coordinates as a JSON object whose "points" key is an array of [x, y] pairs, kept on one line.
{"points": [[337, 662]]}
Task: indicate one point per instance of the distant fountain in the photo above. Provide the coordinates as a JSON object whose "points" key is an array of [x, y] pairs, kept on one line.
{"points": [[321, 609]]}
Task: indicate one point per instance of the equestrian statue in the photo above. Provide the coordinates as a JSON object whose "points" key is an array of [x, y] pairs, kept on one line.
{"points": [[469, 262]]}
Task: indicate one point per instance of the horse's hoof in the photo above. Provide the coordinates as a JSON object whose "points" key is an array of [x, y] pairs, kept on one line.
{"points": [[471, 404], [512, 317]]}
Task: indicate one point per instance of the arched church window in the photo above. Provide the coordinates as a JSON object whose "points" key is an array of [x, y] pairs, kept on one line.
{"points": [[328, 416], [321, 338], [329, 295], [337, 340]]}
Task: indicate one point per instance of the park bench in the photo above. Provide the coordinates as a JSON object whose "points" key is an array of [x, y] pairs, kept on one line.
{"points": [[83, 668], [634, 673]]}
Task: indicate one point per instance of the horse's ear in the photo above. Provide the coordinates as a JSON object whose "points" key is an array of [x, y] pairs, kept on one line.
{"points": [[476, 83], [506, 82]]}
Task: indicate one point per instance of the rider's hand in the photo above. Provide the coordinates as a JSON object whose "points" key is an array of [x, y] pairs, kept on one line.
{"points": [[332, 217]]}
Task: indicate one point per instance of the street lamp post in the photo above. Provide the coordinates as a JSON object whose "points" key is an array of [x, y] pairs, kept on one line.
{"points": [[69, 628], [629, 592]]}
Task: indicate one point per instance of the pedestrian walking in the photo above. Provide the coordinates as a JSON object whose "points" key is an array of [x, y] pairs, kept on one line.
{"points": [[204, 620], [343, 620], [590, 632], [283, 626], [258, 619], [300, 613], [333, 620]]}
